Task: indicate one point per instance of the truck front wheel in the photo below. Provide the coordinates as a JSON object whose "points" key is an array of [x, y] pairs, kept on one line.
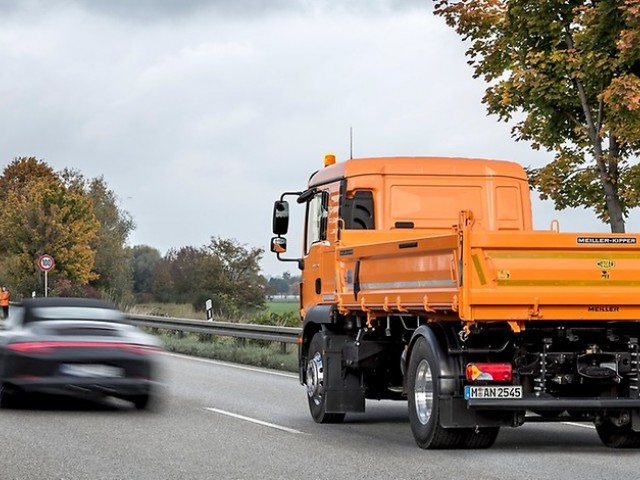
{"points": [[424, 402], [316, 381]]}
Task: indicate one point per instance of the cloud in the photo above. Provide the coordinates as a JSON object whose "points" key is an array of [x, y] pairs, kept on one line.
{"points": [[181, 10], [199, 114]]}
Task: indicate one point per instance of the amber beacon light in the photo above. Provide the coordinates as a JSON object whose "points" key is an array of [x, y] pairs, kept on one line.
{"points": [[329, 159]]}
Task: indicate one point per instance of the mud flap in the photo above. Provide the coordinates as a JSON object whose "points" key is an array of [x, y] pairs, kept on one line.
{"points": [[345, 391], [454, 413]]}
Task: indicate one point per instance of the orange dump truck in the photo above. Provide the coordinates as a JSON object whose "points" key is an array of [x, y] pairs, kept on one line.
{"points": [[423, 280]]}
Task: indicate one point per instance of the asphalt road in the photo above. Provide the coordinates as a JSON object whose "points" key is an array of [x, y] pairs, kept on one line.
{"points": [[222, 421]]}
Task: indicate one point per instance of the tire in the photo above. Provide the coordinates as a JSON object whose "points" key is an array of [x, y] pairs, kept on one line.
{"points": [[618, 437], [424, 402], [141, 402], [8, 396], [482, 437], [315, 380]]}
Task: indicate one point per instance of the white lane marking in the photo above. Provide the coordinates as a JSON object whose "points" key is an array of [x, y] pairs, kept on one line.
{"points": [[255, 420], [574, 424], [233, 365]]}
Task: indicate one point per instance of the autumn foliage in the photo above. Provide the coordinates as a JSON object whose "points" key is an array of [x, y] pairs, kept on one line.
{"points": [[567, 73], [39, 215], [78, 222]]}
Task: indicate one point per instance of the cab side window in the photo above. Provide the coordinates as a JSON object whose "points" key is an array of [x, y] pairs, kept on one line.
{"points": [[357, 212], [317, 213]]}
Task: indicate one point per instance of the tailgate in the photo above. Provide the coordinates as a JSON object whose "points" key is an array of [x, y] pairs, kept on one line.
{"points": [[550, 276], [397, 274]]}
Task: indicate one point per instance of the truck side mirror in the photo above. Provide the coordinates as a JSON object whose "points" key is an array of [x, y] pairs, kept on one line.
{"points": [[278, 245], [280, 218]]}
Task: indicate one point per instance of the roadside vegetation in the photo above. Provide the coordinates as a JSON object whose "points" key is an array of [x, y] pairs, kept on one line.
{"points": [[282, 313], [78, 221], [258, 353]]}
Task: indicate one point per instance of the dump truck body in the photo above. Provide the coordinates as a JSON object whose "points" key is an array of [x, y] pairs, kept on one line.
{"points": [[494, 276], [422, 279]]}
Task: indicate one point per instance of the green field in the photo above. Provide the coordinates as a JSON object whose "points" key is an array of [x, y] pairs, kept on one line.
{"points": [[280, 307]]}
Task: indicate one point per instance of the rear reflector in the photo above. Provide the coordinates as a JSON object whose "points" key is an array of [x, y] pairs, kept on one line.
{"points": [[489, 372], [48, 347]]}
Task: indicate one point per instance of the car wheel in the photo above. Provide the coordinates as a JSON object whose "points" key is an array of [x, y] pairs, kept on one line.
{"points": [[141, 402], [8, 396]]}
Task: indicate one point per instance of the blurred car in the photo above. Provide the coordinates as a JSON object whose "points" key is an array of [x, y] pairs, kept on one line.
{"points": [[75, 346]]}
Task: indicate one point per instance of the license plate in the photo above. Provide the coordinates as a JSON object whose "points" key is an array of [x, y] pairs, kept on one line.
{"points": [[91, 370], [492, 392]]}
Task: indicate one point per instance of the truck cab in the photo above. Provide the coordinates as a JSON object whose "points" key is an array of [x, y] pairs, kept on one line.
{"points": [[369, 200]]}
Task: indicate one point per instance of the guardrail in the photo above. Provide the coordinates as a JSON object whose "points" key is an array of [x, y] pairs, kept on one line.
{"points": [[273, 333]]}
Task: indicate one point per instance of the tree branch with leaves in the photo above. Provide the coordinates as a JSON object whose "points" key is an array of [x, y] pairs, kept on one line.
{"points": [[569, 71]]}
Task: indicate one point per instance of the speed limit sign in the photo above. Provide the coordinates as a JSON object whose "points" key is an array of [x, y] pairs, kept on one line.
{"points": [[46, 263]]}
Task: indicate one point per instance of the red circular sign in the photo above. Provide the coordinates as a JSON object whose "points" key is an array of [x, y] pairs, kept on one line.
{"points": [[46, 263]]}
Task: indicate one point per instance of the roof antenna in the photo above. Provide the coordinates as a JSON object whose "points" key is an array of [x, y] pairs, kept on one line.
{"points": [[350, 142]]}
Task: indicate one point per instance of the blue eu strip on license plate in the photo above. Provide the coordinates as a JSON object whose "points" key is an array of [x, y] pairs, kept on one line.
{"points": [[492, 391]]}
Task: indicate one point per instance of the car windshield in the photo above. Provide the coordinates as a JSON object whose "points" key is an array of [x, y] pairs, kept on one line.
{"points": [[76, 313]]}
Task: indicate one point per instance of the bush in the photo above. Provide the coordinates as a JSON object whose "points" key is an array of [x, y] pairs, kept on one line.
{"points": [[267, 317]]}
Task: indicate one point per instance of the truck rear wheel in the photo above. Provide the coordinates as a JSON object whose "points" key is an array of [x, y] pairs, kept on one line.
{"points": [[618, 437], [424, 402], [316, 381], [482, 437]]}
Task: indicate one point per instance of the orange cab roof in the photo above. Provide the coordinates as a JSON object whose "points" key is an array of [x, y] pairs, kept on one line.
{"points": [[417, 166]]}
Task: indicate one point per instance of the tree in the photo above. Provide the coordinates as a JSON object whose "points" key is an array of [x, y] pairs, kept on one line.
{"points": [[191, 274], [40, 215], [113, 258], [162, 282], [571, 69], [241, 279], [278, 286], [112, 265], [284, 285], [23, 171], [145, 261], [224, 271]]}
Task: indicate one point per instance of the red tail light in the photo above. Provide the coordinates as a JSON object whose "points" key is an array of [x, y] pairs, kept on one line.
{"points": [[489, 372], [48, 347], [31, 347]]}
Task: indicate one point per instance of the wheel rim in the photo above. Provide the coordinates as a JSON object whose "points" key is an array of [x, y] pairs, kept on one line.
{"points": [[423, 392], [315, 378]]}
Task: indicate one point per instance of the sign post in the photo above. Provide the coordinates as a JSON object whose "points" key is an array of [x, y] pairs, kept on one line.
{"points": [[46, 263]]}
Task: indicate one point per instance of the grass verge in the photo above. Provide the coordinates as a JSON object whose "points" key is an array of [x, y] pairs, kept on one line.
{"points": [[257, 353]]}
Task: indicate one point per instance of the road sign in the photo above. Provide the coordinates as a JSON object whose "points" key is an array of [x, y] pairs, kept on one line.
{"points": [[46, 263]]}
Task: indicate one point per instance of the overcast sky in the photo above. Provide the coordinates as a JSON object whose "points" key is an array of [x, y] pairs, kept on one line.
{"points": [[200, 113]]}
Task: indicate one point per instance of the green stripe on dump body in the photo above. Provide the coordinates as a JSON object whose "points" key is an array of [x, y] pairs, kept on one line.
{"points": [[476, 263]]}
